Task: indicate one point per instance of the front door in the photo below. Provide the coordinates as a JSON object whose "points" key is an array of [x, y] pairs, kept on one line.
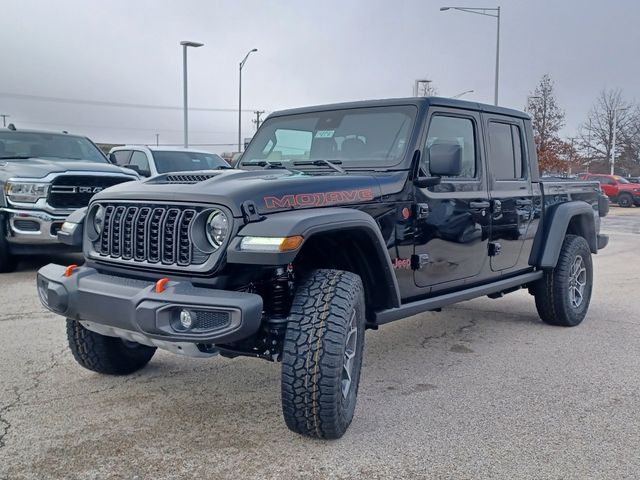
{"points": [[510, 191], [452, 218]]}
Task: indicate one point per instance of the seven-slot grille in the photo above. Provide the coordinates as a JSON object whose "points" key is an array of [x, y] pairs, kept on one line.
{"points": [[153, 234]]}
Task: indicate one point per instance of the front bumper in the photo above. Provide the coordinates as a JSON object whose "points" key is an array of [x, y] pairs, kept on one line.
{"points": [[132, 309], [33, 227]]}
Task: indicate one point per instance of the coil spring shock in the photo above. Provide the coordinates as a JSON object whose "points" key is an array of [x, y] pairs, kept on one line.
{"points": [[280, 293]]}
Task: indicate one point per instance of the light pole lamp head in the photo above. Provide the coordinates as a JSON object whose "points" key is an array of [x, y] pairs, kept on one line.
{"points": [[444, 9], [244, 60], [187, 43]]}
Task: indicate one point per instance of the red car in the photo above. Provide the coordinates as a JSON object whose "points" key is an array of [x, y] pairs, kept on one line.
{"points": [[617, 188]]}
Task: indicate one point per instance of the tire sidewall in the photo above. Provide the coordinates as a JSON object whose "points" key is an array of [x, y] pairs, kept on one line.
{"points": [[348, 405], [575, 246]]}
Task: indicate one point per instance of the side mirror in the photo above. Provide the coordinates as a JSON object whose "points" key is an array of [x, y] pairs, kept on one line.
{"points": [[445, 159], [426, 182], [112, 158]]}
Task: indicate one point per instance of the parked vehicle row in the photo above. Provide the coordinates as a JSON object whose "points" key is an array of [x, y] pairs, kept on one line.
{"points": [[151, 161], [343, 218], [44, 177], [620, 190]]}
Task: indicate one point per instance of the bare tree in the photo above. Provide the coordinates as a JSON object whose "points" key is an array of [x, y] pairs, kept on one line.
{"points": [[596, 134], [547, 119]]}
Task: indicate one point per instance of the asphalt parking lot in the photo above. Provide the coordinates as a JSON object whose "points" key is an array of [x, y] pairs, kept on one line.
{"points": [[481, 390]]}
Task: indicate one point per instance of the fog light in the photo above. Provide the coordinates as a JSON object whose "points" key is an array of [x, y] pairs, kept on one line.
{"points": [[186, 319]]}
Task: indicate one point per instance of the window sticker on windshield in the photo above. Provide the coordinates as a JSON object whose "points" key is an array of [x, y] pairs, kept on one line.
{"points": [[325, 133]]}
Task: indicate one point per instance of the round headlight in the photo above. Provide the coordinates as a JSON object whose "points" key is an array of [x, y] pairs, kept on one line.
{"points": [[98, 219], [217, 228]]}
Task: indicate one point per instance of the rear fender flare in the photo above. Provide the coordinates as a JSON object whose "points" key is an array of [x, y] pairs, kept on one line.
{"points": [[549, 238]]}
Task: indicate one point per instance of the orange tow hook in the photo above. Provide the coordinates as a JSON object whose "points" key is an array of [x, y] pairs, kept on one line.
{"points": [[69, 270], [161, 284]]}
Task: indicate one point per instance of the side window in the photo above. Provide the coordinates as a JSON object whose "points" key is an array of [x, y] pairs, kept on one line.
{"points": [[453, 130], [139, 159], [122, 157], [505, 144], [519, 169]]}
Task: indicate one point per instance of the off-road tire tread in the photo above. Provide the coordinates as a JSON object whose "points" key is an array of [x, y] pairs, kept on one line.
{"points": [[312, 401], [550, 292], [103, 354]]}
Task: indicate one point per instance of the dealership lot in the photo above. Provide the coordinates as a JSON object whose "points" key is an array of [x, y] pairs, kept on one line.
{"points": [[482, 389]]}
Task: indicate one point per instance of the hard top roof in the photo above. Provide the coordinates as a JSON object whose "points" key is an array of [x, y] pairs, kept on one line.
{"points": [[417, 101]]}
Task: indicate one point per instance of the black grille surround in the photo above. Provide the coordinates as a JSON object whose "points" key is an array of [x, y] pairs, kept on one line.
{"points": [[76, 191], [154, 236]]}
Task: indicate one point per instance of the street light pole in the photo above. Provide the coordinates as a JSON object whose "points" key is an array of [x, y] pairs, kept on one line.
{"points": [[186, 44], [495, 95], [613, 140], [496, 15], [244, 60]]}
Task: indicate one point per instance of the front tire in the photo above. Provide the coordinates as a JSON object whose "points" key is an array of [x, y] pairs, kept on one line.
{"points": [[563, 294], [322, 354], [108, 355], [7, 261]]}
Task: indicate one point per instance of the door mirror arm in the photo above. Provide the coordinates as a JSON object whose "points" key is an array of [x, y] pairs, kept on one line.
{"points": [[425, 182]]}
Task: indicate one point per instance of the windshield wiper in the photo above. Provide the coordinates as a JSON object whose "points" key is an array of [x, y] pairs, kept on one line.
{"points": [[223, 167], [268, 164], [321, 161], [16, 157]]}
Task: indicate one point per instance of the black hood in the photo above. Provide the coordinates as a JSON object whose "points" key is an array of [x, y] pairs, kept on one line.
{"points": [[41, 167], [270, 190]]}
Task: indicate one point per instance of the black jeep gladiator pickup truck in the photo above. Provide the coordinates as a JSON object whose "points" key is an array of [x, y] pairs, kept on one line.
{"points": [[344, 217]]}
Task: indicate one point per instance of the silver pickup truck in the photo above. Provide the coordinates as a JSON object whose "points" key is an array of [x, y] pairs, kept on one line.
{"points": [[44, 177]]}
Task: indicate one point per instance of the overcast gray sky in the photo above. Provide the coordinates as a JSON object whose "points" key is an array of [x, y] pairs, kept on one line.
{"points": [[309, 53]]}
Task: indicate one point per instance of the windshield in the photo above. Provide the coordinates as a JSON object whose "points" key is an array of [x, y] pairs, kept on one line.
{"points": [[176, 161], [361, 137], [49, 146], [622, 180]]}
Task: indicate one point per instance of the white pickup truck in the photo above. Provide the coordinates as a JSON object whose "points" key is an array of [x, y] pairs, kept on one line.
{"points": [[151, 161]]}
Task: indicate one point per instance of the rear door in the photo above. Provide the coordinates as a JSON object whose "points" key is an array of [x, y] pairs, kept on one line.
{"points": [[512, 198]]}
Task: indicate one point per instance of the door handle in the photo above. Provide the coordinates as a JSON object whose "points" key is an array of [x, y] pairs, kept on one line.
{"points": [[479, 205], [523, 202]]}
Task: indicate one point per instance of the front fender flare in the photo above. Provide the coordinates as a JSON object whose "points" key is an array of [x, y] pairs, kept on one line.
{"points": [[308, 223]]}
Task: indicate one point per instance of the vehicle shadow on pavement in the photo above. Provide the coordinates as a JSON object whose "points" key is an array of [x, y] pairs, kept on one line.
{"points": [[34, 262]]}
